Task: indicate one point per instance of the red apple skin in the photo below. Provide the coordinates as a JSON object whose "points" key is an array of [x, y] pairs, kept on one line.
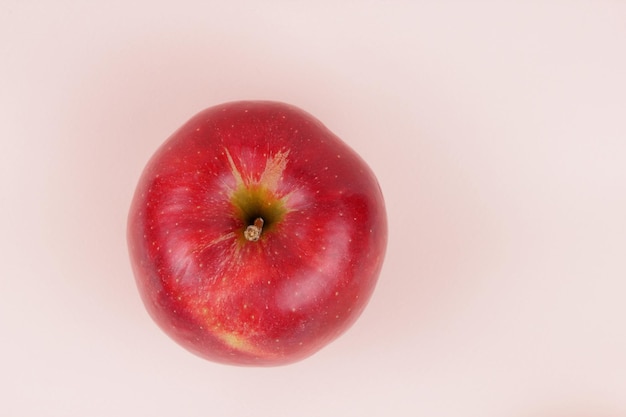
{"points": [[310, 274]]}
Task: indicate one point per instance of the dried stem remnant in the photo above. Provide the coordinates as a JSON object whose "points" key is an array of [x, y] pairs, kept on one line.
{"points": [[253, 231]]}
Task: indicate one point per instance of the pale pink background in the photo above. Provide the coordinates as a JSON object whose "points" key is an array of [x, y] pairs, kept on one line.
{"points": [[497, 131]]}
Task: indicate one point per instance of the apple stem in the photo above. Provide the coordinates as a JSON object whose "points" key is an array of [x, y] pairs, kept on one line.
{"points": [[253, 232]]}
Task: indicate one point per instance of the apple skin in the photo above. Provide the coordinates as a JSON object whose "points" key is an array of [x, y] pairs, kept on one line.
{"points": [[310, 274]]}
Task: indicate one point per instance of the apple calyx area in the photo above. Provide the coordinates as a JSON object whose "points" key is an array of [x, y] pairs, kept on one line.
{"points": [[256, 202]]}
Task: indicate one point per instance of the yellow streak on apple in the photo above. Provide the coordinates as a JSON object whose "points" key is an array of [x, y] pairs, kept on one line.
{"points": [[236, 342], [271, 175]]}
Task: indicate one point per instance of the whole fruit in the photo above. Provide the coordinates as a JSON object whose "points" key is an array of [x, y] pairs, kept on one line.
{"points": [[255, 234]]}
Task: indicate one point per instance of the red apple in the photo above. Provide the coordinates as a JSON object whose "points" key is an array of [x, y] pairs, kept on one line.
{"points": [[256, 235]]}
